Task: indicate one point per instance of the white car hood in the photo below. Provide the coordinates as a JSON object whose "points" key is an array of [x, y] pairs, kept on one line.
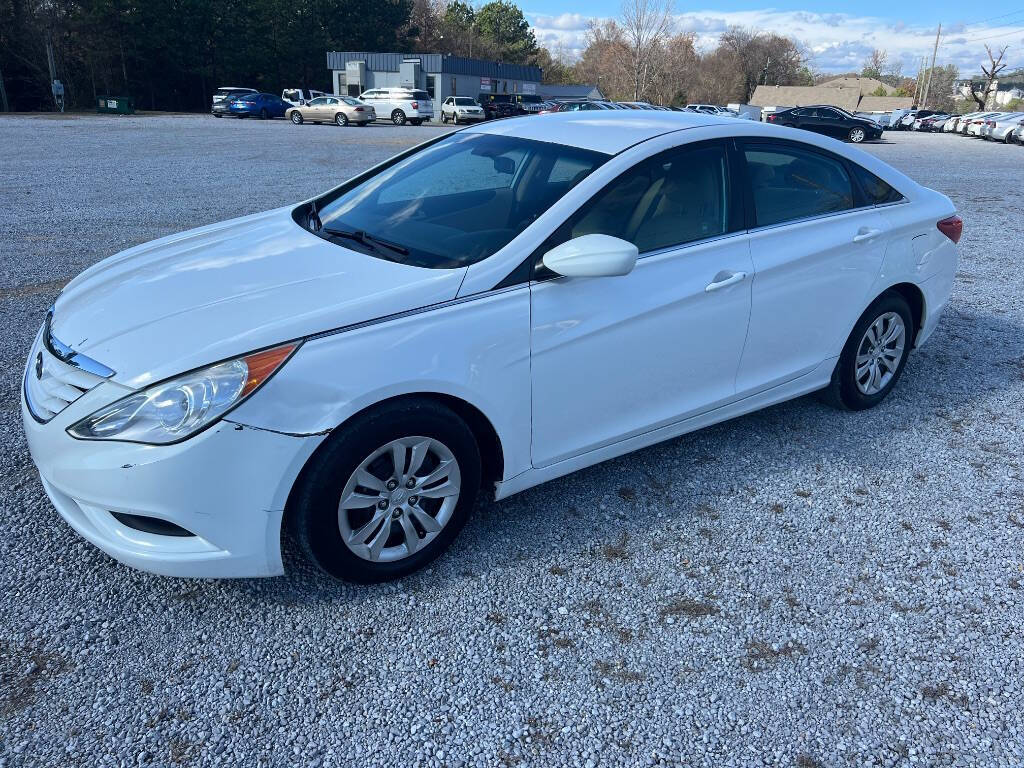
{"points": [[197, 297]]}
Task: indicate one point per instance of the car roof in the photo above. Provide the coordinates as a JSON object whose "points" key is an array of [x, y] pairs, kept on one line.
{"points": [[609, 131]]}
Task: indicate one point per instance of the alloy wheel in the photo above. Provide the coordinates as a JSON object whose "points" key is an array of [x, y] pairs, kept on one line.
{"points": [[296, 118], [341, 119], [857, 135], [399, 498], [880, 353]]}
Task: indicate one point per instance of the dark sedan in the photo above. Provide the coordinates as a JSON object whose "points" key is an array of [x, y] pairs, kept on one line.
{"points": [[261, 105], [831, 121]]}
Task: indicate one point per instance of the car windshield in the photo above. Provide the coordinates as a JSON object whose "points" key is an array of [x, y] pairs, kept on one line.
{"points": [[421, 95], [350, 101], [454, 202], [464, 101], [249, 97]]}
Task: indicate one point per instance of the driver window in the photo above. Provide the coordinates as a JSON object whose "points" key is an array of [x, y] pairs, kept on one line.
{"points": [[676, 197]]}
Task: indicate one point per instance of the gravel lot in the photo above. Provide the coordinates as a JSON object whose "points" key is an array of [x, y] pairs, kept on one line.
{"points": [[799, 587]]}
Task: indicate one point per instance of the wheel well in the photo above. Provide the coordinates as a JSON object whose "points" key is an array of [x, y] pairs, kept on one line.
{"points": [[915, 299], [492, 460]]}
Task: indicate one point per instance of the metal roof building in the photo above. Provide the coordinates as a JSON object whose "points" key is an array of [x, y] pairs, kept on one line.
{"points": [[440, 75]]}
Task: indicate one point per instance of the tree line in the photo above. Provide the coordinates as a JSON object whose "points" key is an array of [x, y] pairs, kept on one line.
{"points": [[172, 54]]}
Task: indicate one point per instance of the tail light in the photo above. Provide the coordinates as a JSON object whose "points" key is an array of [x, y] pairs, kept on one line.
{"points": [[360, 109], [770, 118], [415, 105], [952, 227]]}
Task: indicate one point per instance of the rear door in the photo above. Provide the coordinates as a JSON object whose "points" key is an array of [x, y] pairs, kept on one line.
{"points": [[817, 245]]}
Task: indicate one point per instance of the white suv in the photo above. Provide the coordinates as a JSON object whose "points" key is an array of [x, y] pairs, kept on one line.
{"points": [[400, 105], [461, 109]]}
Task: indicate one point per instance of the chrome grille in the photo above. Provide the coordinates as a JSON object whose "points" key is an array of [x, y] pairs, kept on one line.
{"points": [[56, 376]]}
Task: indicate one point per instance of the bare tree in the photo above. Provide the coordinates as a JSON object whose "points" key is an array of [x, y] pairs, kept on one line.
{"points": [[991, 75], [646, 26], [875, 64]]}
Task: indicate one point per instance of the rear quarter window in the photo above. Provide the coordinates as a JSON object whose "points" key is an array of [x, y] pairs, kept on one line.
{"points": [[877, 191]]}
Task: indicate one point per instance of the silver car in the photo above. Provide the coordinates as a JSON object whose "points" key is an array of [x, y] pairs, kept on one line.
{"points": [[1000, 127], [461, 109]]}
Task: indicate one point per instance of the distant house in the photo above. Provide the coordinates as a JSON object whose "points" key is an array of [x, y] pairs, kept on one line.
{"points": [[558, 92], [867, 85], [842, 92]]}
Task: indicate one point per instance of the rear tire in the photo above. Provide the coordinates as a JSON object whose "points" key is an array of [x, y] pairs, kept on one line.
{"points": [[341, 119], [398, 117], [416, 122], [856, 135], [317, 518], [854, 392]]}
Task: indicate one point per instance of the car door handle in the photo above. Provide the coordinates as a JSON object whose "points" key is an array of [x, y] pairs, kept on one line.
{"points": [[723, 279], [864, 234]]}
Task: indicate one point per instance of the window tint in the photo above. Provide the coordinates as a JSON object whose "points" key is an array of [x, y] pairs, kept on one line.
{"points": [[674, 198], [458, 201], [420, 95], [790, 183], [876, 190]]}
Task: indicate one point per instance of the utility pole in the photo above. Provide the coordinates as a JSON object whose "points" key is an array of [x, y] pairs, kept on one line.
{"points": [[931, 70], [917, 85]]}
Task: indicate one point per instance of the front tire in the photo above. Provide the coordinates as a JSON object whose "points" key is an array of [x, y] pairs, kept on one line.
{"points": [[296, 118], [856, 135], [398, 117], [874, 356], [388, 493]]}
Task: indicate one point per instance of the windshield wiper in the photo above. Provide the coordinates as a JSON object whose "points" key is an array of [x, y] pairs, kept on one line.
{"points": [[368, 240]]}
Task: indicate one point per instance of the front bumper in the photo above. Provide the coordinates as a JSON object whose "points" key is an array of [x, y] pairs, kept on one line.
{"points": [[227, 486]]}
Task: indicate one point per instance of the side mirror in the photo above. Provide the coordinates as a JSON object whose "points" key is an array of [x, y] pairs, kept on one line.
{"points": [[592, 256]]}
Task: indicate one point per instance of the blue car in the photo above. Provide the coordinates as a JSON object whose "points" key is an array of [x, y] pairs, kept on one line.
{"points": [[261, 105]]}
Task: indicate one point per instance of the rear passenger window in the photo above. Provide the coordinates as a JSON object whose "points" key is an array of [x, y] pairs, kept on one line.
{"points": [[674, 198], [790, 183], [877, 191]]}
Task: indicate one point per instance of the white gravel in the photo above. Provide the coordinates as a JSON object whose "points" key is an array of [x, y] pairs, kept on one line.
{"points": [[797, 587]]}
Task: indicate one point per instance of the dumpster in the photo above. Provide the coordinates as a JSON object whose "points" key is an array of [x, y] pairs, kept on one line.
{"points": [[115, 105]]}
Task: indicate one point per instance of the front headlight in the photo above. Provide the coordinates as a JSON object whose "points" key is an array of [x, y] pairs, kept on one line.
{"points": [[180, 407]]}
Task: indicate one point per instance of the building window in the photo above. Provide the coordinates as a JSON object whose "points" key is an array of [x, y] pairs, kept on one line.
{"points": [[431, 86]]}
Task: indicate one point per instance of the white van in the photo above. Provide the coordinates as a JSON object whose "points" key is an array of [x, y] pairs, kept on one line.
{"points": [[298, 97], [400, 105]]}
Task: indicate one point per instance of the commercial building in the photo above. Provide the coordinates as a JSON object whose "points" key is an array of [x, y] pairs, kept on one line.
{"points": [[440, 75], [854, 94]]}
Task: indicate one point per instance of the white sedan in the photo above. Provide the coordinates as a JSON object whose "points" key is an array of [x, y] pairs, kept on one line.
{"points": [[359, 366]]}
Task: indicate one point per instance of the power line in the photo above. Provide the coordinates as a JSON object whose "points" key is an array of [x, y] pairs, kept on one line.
{"points": [[993, 37], [993, 18]]}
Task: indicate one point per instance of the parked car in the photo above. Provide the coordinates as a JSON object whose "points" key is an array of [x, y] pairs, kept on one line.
{"points": [[976, 118], [933, 123], [228, 92], [496, 105], [461, 109], [576, 105], [400, 105], [998, 128], [223, 107], [975, 124], [711, 109], [358, 367], [299, 96], [1018, 133], [636, 105], [340, 110], [261, 105], [526, 103], [920, 118], [828, 120], [953, 125]]}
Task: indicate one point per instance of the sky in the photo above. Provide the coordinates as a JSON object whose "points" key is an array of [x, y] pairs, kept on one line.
{"points": [[838, 36]]}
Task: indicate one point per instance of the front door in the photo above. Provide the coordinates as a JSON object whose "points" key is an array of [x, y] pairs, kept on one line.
{"points": [[614, 357]]}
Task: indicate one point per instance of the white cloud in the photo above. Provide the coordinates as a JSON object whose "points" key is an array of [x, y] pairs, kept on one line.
{"points": [[837, 42]]}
